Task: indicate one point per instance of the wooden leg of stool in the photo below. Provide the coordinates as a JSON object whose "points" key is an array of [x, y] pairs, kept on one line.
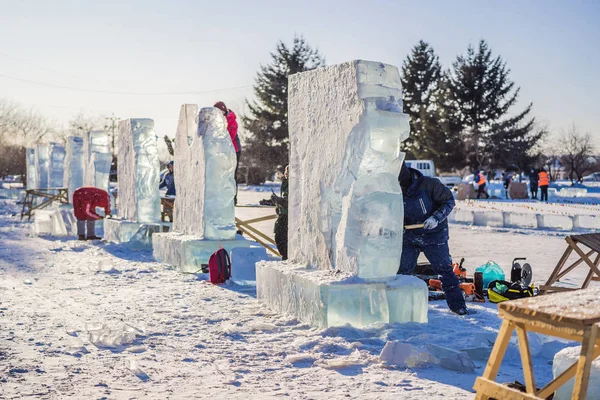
{"points": [[585, 363], [526, 359], [493, 364]]}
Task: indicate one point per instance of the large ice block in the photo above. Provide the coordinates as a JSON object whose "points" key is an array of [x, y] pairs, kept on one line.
{"points": [[323, 299], [122, 231], [32, 174], [188, 212], [219, 154], [138, 172], [56, 221], [42, 165], [56, 165], [563, 360], [346, 125], [74, 171], [189, 252], [97, 159]]}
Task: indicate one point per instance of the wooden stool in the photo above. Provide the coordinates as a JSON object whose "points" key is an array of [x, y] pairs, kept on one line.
{"points": [[573, 316], [167, 208], [592, 241]]}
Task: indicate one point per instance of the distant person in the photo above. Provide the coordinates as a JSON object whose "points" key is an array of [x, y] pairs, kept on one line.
{"points": [[281, 224], [85, 201], [168, 181], [481, 182], [543, 182], [428, 201], [232, 127], [508, 178], [533, 183]]}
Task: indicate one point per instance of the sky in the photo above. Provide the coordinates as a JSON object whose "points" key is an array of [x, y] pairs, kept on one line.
{"points": [[110, 50]]}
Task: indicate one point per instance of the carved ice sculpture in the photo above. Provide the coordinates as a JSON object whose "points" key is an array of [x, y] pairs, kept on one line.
{"points": [[138, 172], [345, 204], [42, 165], [56, 165], [32, 175], [97, 160], [204, 181], [74, 171], [345, 159]]}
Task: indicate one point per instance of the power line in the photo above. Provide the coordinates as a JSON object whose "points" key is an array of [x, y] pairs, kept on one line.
{"points": [[120, 93]]}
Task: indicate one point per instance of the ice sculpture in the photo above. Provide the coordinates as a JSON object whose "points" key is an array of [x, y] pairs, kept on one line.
{"points": [[204, 217], [345, 204], [42, 165], [138, 177], [56, 165], [73, 178], [138, 172], [32, 175], [219, 154], [562, 361], [97, 160]]}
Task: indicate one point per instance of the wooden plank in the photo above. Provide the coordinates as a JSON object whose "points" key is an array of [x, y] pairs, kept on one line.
{"points": [[564, 377], [591, 240], [255, 220], [546, 288], [585, 258], [561, 263], [572, 266], [241, 225], [493, 364], [526, 358], [584, 364], [487, 388], [262, 243], [546, 327], [590, 275]]}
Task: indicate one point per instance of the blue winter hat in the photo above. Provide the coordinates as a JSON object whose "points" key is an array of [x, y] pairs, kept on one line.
{"points": [[170, 163]]}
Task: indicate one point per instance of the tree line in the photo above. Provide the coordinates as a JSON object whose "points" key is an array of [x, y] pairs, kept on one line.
{"points": [[464, 117]]}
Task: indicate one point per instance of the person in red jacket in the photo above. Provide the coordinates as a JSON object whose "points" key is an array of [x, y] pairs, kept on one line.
{"points": [[85, 201], [232, 127]]}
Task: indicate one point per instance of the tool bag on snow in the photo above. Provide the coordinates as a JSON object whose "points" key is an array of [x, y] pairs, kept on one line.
{"points": [[499, 291], [219, 267]]}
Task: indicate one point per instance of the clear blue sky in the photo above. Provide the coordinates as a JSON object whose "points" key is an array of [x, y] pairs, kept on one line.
{"points": [[552, 48]]}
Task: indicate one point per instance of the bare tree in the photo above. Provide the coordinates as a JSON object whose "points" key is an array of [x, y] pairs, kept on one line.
{"points": [[22, 127], [80, 124], [577, 152]]}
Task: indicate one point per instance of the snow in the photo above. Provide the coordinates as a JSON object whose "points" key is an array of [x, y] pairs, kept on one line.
{"points": [[196, 340]]}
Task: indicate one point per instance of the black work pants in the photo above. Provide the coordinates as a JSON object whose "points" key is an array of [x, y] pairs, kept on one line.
{"points": [[544, 190]]}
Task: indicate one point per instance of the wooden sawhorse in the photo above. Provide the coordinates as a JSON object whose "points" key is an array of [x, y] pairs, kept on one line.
{"points": [[573, 316], [49, 195], [591, 241], [260, 237]]}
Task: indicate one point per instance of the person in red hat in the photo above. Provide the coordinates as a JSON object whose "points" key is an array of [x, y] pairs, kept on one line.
{"points": [[85, 201], [232, 127]]}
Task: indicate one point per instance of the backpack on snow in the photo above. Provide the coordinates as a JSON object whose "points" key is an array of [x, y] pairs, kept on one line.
{"points": [[219, 267], [499, 291]]}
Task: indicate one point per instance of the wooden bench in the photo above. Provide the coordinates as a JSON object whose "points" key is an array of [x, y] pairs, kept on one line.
{"points": [[592, 242], [572, 315], [47, 195]]}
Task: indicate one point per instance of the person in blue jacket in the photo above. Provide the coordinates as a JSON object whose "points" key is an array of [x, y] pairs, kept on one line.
{"points": [[169, 181], [428, 201]]}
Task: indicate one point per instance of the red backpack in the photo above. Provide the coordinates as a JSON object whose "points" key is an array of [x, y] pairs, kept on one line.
{"points": [[219, 267]]}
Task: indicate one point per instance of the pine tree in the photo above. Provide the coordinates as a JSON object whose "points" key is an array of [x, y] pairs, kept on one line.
{"points": [[484, 96], [433, 133], [267, 148]]}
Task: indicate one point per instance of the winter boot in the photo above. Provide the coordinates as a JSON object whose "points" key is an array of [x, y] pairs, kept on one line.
{"points": [[81, 237], [94, 237]]}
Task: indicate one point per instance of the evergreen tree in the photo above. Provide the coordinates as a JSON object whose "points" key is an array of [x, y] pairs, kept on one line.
{"points": [[267, 148], [484, 95], [433, 133]]}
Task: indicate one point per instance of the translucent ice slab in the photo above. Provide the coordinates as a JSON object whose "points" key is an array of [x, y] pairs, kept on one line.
{"points": [[122, 231], [563, 360], [323, 299], [56, 221], [74, 171], [42, 164], [32, 174], [56, 165]]}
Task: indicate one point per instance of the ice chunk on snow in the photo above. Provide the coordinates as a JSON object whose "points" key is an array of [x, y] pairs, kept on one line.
{"points": [[563, 360], [219, 214], [57, 221], [555, 221], [110, 335], [243, 263], [73, 176], [404, 355], [572, 192], [138, 172], [344, 166]]}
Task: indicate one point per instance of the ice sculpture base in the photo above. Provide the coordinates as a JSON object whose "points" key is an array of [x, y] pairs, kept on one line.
{"points": [[55, 221], [323, 299], [188, 252], [123, 231]]}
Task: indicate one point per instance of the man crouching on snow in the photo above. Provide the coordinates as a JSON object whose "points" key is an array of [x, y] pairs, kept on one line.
{"points": [[85, 201], [428, 201]]}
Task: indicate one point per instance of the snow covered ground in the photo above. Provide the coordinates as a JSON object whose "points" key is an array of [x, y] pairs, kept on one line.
{"points": [[94, 320]]}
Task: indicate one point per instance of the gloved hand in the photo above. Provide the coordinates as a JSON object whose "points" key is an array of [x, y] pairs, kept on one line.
{"points": [[275, 199], [430, 223]]}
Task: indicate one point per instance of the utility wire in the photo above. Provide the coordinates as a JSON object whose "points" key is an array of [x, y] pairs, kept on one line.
{"points": [[120, 93]]}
